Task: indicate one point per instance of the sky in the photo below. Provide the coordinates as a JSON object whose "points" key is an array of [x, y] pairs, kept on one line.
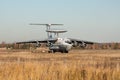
{"points": [[91, 20]]}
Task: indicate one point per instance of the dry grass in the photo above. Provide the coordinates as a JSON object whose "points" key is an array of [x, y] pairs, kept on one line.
{"points": [[77, 65]]}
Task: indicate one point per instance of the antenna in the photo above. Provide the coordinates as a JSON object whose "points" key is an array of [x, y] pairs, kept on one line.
{"points": [[56, 32], [48, 29]]}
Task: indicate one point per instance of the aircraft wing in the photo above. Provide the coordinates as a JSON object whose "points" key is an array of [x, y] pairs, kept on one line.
{"points": [[38, 41], [81, 41]]}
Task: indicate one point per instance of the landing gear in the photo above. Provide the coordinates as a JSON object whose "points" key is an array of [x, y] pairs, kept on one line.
{"points": [[53, 51], [64, 51], [50, 51]]}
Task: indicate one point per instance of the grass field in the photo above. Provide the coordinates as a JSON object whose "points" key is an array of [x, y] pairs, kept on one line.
{"points": [[76, 65]]}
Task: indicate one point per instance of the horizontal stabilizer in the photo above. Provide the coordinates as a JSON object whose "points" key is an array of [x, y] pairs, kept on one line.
{"points": [[45, 24]]}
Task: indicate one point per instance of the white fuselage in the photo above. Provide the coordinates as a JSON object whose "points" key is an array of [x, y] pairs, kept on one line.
{"points": [[65, 42]]}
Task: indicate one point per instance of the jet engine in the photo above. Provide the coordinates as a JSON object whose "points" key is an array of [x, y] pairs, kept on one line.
{"points": [[75, 44], [37, 44], [82, 44], [49, 44]]}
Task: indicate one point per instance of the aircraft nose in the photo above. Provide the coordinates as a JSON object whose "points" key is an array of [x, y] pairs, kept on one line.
{"points": [[69, 47]]}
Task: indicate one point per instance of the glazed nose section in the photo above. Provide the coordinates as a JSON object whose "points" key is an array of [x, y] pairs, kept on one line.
{"points": [[69, 47]]}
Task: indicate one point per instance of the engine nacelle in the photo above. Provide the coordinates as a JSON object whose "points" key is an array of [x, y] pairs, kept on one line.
{"points": [[75, 44], [49, 44], [37, 44], [83, 45]]}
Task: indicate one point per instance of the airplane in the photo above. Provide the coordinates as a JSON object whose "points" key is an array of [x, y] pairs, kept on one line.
{"points": [[57, 44]]}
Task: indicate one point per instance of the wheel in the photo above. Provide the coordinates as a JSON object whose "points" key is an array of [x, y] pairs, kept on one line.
{"points": [[66, 51], [62, 51], [53, 51], [49, 51]]}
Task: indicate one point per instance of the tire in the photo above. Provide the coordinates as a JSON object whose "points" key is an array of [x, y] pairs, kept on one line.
{"points": [[49, 51], [62, 51], [53, 51], [66, 51]]}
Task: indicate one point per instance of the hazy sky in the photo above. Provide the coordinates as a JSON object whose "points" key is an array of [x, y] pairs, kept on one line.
{"points": [[92, 20]]}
